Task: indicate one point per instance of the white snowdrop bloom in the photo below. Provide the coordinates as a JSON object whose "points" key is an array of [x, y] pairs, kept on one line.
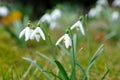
{"points": [[102, 2], [66, 39], [56, 14], [92, 13], [46, 18], [95, 11], [53, 25], [115, 16], [3, 11], [116, 3], [37, 33], [27, 32], [79, 26]]}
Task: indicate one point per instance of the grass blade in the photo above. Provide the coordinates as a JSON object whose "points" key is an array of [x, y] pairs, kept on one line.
{"points": [[105, 74], [82, 71], [39, 68], [62, 70], [47, 58], [64, 49], [92, 60]]}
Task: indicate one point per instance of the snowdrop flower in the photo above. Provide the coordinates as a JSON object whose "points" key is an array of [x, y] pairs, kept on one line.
{"points": [[3, 11], [66, 39], [78, 25], [116, 3], [53, 25], [37, 33], [95, 11], [115, 15], [46, 18], [27, 32], [102, 2], [56, 14]]}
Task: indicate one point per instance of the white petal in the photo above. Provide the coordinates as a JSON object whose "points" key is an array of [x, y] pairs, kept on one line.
{"points": [[46, 17], [27, 33], [81, 28], [56, 14], [59, 40], [74, 25], [32, 36], [37, 37], [41, 32], [67, 41], [22, 33], [53, 25]]}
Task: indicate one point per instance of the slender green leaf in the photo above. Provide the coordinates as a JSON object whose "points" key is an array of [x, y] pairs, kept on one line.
{"points": [[52, 47], [52, 73], [62, 70], [64, 49], [39, 68], [47, 58], [105, 74], [92, 60], [81, 70]]}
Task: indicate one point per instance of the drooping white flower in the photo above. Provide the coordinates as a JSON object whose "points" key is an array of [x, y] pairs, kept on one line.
{"points": [[53, 25], [116, 3], [102, 2], [56, 14], [27, 32], [66, 39], [3, 11], [46, 18], [115, 16], [37, 33], [94, 12], [79, 26]]}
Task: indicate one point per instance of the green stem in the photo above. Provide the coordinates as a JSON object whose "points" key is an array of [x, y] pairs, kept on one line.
{"points": [[73, 58]]}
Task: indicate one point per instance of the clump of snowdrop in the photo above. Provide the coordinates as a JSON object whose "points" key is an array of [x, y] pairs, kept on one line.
{"points": [[115, 16], [3, 11], [116, 3], [32, 34], [51, 19]]}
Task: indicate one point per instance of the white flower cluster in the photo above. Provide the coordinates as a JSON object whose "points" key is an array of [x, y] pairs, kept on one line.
{"points": [[51, 18], [116, 3], [96, 11], [3, 11], [66, 36], [31, 34]]}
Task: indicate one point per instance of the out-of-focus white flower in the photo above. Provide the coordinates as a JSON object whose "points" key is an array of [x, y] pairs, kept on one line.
{"points": [[46, 18], [27, 32], [3, 11], [51, 19], [53, 25], [37, 33], [66, 39], [95, 11], [79, 26], [115, 16], [116, 3], [56, 14], [102, 2]]}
